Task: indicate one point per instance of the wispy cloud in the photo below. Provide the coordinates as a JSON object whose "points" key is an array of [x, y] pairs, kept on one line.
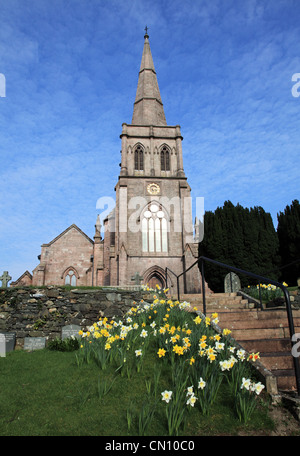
{"points": [[224, 71]]}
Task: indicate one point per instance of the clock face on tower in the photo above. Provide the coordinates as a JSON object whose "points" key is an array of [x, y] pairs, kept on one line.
{"points": [[153, 188]]}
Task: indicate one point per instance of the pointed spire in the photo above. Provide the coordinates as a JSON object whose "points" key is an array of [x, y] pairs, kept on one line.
{"points": [[148, 107]]}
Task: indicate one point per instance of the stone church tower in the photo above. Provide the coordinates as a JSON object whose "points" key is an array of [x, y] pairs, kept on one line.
{"points": [[152, 219], [151, 226]]}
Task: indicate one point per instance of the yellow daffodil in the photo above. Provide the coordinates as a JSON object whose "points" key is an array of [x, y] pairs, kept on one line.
{"points": [[161, 352], [212, 357]]}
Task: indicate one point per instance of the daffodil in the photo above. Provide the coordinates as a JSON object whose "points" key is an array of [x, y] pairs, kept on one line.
{"points": [[253, 357], [241, 354], [161, 352], [201, 383], [190, 391], [246, 383], [166, 396], [219, 346], [258, 387], [211, 357], [207, 321], [178, 349], [191, 401]]}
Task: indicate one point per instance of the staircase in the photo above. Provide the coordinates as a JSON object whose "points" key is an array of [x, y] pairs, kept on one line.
{"points": [[263, 331]]}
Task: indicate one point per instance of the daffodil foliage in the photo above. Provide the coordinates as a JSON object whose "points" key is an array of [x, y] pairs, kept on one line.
{"points": [[200, 358]]}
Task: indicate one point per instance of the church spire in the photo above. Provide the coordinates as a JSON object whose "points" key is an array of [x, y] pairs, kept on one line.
{"points": [[148, 107]]}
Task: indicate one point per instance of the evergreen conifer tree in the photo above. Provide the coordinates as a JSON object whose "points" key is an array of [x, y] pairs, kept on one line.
{"points": [[288, 231], [240, 237]]}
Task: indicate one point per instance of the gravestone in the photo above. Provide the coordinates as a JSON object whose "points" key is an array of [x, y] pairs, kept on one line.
{"points": [[232, 283], [7, 343], [69, 331], [34, 343], [2, 345], [5, 278]]}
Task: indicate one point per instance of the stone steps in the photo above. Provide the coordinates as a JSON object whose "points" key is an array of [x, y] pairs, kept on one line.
{"points": [[256, 330]]}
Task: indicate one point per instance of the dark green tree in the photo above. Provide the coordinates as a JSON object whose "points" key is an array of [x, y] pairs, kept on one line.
{"points": [[240, 237], [288, 231]]}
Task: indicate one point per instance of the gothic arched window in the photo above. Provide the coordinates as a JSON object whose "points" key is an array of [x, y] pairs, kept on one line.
{"points": [[138, 159], [165, 159], [154, 229], [70, 278]]}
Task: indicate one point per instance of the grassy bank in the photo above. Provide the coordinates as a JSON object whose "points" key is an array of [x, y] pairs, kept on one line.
{"points": [[46, 393]]}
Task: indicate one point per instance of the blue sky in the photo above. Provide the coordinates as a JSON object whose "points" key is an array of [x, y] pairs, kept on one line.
{"points": [[224, 70]]}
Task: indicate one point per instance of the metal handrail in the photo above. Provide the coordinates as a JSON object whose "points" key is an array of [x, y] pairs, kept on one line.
{"points": [[177, 279], [260, 278]]}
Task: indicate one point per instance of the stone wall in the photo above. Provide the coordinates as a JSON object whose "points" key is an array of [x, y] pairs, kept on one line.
{"points": [[42, 312]]}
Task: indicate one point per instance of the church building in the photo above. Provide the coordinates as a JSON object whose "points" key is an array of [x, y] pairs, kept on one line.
{"points": [[151, 227]]}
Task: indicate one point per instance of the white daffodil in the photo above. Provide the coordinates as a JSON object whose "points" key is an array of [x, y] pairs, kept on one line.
{"points": [[166, 396], [190, 391], [201, 383], [191, 400], [246, 383]]}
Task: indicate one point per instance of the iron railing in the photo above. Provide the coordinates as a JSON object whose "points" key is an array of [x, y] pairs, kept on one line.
{"points": [[202, 259]]}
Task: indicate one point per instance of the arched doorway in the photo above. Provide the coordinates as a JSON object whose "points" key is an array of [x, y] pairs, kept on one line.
{"points": [[155, 276], [155, 280]]}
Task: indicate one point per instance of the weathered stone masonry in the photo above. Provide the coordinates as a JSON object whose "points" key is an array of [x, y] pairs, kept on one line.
{"points": [[42, 312]]}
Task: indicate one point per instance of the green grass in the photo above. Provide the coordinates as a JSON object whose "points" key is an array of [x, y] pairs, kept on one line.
{"points": [[93, 391], [45, 393]]}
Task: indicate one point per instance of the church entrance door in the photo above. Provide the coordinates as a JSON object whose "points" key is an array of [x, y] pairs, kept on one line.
{"points": [[155, 280]]}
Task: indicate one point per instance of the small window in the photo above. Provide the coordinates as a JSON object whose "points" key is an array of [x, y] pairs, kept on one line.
{"points": [[165, 159], [70, 278], [138, 159]]}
